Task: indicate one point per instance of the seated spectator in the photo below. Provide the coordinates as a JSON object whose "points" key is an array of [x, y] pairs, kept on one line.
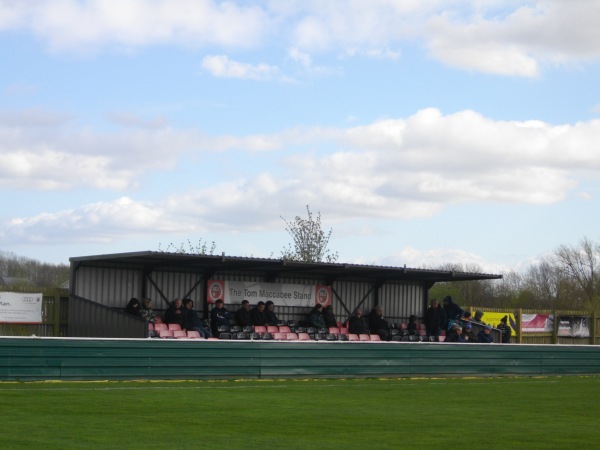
{"points": [[175, 313], [218, 316], [468, 333], [356, 324], [452, 310], [506, 330], [270, 315], [242, 315], [435, 319], [378, 325], [258, 315], [146, 311], [412, 325], [485, 335], [466, 316], [192, 321], [329, 317], [315, 318], [478, 317], [133, 307], [455, 334]]}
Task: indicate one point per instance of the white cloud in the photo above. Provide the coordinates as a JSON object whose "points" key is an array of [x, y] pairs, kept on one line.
{"points": [[223, 67], [508, 38], [436, 257], [395, 168], [75, 25], [101, 222]]}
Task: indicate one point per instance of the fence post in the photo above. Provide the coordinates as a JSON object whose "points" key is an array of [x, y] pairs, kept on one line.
{"points": [[56, 315], [519, 324], [555, 329], [593, 328]]}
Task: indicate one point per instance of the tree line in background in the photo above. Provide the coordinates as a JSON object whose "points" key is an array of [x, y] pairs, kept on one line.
{"points": [[18, 271], [569, 278]]}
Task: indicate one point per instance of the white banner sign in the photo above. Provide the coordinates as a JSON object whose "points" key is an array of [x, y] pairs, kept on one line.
{"points": [[233, 292], [17, 307]]}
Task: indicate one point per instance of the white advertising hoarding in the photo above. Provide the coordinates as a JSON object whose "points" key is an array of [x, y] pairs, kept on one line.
{"points": [[19, 307]]}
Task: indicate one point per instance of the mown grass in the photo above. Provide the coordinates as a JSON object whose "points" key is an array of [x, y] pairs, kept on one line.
{"points": [[559, 412]]}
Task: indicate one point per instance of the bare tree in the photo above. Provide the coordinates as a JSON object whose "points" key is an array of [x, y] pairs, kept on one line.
{"points": [[188, 248], [580, 264], [310, 242]]}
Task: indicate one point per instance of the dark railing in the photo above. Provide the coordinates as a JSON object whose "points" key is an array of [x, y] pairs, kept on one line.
{"points": [[91, 319]]}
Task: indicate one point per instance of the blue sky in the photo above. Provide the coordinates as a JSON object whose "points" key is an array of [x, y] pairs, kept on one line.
{"points": [[424, 132]]}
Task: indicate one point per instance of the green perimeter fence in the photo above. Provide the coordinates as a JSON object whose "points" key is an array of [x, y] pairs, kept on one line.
{"points": [[26, 359]]}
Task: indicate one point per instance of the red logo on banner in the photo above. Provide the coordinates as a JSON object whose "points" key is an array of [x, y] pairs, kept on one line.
{"points": [[323, 295], [216, 290]]}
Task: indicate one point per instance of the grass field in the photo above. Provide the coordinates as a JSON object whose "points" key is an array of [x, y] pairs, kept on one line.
{"points": [[561, 412]]}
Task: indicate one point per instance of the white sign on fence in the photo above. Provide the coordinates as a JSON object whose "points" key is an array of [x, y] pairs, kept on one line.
{"points": [[19, 307]]}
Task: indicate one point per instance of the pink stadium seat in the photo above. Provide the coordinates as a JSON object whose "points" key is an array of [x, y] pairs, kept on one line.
{"points": [[278, 336], [304, 336], [291, 336], [174, 327], [191, 334], [165, 333], [272, 329], [160, 326], [260, 329], [179, 334], [423, 332], [353, 337], [364, 337], [375, 337], [343, 330], [334, 330], [150, 327], [284, 329], [442, 338], [339, 324]]}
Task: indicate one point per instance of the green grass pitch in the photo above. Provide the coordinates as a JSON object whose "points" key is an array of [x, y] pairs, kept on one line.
{"points": [[474, 413]]}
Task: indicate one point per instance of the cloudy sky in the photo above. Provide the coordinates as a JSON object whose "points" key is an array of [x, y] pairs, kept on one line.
{"points": [[424, 131]]}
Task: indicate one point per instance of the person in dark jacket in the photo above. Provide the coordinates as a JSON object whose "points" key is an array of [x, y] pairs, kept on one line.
{"points": [[452, 310], [378, 325], [329, 317], [315, 318], [133, 307], [242, 315], [485, 335], [192, 321], [356, 324], [468, 334], [455, 334], [270, 313], [175, 313], [506, 330], [257, 314], [412, 325], [218, 316], [435, 318]]}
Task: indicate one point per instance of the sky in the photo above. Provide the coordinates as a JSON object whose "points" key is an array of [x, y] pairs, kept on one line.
{"points": [[424, 132]]}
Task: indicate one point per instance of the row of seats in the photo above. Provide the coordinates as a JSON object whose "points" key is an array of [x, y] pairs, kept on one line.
{"points": [[284, 332], [301, 336]]}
